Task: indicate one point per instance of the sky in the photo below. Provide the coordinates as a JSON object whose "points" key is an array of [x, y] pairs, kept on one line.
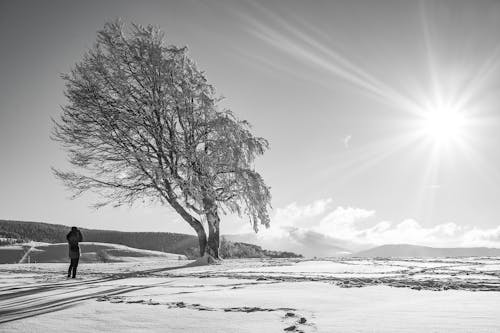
{"points": [[382, 116]]}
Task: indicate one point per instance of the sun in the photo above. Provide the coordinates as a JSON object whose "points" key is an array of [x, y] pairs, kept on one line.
{"points": [[443, 123]]}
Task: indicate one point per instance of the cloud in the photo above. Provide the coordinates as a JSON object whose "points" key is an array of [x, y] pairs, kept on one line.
{"points": [[318, 223], [342, 222], [295, 213], [410, 231], [350, 224], [346, 140], [346, 216], [483, 237]]}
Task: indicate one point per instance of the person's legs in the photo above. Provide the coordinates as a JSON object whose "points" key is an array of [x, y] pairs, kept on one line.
{"points": [[74, 264], [70, 268]]}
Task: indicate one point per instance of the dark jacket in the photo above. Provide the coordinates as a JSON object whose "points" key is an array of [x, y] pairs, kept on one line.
{"points": [[74, 237]]}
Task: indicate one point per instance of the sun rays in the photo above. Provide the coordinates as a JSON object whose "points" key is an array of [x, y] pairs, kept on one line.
{"points": [[440, 123]]}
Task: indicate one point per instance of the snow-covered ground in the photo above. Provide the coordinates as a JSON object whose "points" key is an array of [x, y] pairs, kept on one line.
{"points": [[338, 295]]}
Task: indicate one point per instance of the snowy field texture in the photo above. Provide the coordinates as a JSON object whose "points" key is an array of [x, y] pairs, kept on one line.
{"points": [[338, 295]]}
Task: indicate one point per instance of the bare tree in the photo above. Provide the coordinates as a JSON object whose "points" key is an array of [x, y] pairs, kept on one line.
{"points": [[142, 123]]}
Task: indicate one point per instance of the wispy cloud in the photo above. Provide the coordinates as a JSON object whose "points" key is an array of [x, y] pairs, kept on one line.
{"points": [[346, 140]]}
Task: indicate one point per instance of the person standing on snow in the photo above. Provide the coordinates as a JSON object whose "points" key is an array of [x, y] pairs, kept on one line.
{"points": [[74, 237]]}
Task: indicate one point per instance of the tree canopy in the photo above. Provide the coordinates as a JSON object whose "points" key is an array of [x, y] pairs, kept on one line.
{"points": [[143, 123]]}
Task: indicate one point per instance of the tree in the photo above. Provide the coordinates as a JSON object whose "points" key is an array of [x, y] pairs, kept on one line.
{"points": [[143, 123]]}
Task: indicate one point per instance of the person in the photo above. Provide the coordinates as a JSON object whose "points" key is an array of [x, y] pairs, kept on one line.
{"points": [[74, 237]]}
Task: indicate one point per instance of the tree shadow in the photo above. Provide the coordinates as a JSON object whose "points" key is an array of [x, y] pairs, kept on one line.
{"points": [[16, 303]]}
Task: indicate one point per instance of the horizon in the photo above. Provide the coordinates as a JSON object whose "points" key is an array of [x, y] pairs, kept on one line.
{"points": [[362, 250], [380, 132]]}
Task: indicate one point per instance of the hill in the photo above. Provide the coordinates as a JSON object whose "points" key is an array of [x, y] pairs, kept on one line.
{"points": [[156, 241], [56, 233], [90, 252], [406, 250]]}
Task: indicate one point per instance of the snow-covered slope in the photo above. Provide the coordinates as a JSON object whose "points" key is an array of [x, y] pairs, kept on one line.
{"points": [[90, 252]]}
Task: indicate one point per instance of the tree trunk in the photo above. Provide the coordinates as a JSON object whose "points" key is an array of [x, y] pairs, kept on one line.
{"points": [[202, 240], [213, 221], [213, 235], [194, 223]]}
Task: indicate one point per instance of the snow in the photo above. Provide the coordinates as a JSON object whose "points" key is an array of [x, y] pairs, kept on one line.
{"points": [[91, 252], [315, 267], [338, 295]]}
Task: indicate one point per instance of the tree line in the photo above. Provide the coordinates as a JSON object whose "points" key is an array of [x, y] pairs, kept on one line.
{"points": [[156, 241]]}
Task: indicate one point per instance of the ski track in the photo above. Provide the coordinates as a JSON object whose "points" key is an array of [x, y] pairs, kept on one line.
{"points": [[26, 254]]}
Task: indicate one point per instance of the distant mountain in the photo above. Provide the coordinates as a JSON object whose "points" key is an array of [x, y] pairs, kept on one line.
{"points": [[156, 241], [405, 250]]}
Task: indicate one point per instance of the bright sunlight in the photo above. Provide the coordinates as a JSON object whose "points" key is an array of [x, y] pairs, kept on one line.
{"points": [[443, 123]]}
